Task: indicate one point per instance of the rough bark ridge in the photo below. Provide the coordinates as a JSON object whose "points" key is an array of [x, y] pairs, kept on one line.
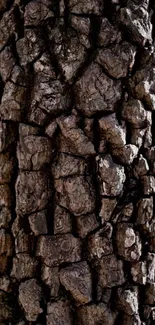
{"points": [[77, 162]]}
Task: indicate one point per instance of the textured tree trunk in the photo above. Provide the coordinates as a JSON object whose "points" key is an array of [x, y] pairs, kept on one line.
{"points": [[77, 162]]}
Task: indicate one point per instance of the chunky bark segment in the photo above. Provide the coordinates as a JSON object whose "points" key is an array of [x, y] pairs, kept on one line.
{"points": [[112, 176], [62, 221], [55, 250], [112, 131], [32, 192], [145, 216], [143, 84], [6, 244], [107, 208], [150, 294], [76, 194], [76, 136], [130, 320], [95, 92], [14, 95], [29, 47], [8, 27], [30, 296], [128, 242], [24, 266], [108, 33], [137, 22], [100, 243], [139, 272], [86, 7], [110, 272], [118, 60], [5, 217], [33, 152], [7, 163], [77, 280], [85, 224], [95, 314], [37, 13], [7, 63], [70, 46], [59, 313], [127, 299], [141, 167], [38, 222], [134, 112], [49, 94], [6, 196], [148, 183], [126, 154], [67, 165]]}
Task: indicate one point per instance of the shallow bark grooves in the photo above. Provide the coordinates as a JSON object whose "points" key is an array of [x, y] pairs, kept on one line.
{"points": [[77, 162]]}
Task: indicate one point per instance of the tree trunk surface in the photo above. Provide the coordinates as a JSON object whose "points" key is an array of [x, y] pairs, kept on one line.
{"points": [[77, 162]]}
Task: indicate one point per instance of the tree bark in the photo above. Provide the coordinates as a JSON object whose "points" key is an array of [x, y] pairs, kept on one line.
{"points": [[77, 162]]}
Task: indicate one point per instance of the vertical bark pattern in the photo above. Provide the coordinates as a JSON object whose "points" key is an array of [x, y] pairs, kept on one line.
{"points": [[77, 162]]}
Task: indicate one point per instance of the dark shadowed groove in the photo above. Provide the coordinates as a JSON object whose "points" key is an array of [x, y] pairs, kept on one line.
{"points": [[1, 88]]}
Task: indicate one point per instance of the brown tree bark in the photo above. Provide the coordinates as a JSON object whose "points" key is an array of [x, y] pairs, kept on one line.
{"points": [[77, 162]]}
